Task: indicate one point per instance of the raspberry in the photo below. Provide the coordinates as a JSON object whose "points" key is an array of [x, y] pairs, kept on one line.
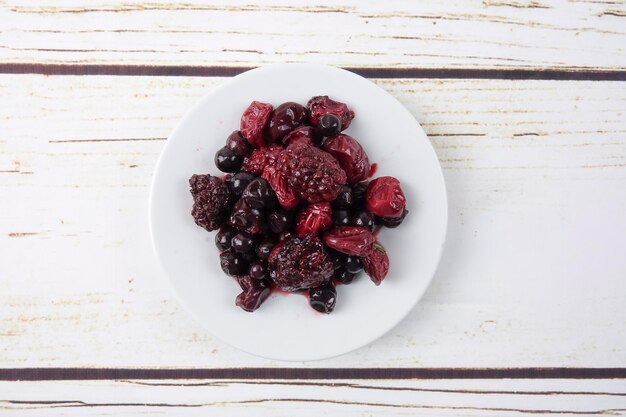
{"points": [[385, 198], [350, 240], [376, 263], [211, 201], [253, 122], [296, 264], [261, 158], [321, 105], [311, 173], [350, 155], [287, 198], [314, 218]]}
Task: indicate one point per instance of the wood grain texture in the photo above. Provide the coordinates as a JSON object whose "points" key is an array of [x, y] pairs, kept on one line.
{"points": [[79, 284], [465, 34], [315, 398]]}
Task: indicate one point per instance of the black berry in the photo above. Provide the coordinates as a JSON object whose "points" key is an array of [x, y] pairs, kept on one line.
{"points": [[344, 276], [264, 249], [238, 183], [223, 237], [345, 198], [259, 194], [279, 221], [341, 218], [329, 125], [232, 264], [392, 223], [242, 242], [238, 144], [364, 219], [323, 298], [257, 270], [353, 264], [227, 160]]}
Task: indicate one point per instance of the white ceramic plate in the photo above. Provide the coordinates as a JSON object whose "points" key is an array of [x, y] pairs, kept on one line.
{"points": [[285, 327]]}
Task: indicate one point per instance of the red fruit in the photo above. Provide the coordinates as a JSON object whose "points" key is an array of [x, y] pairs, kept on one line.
{"points": [[351, 240], [253, 122], [302, 134], [321, 105], [286, 196], [255, 291], [261, 158], [314, 218], [211, 201], [384, 198], [351, 156], [376, 263], [312, 173]]}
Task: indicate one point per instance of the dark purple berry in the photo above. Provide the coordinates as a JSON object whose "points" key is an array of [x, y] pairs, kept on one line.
{"points": [[223, 237], [329, 125], [238, 144], [264, 249], [285, 118], [257, 270], [323, 298], [392, 223], [242, 242], [341, 218], [259, 194], [238, 183], [345, 198], [254, 292], [227, 160], [232, 264], [353, 264], [344, 276], [337, 258], [359, 191], [364, 219], [280, 220], [246, 218]]}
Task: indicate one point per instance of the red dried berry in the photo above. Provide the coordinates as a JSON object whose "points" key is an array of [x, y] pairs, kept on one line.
{"points": [[261, 158], [297, 264], [376, 263], [311, 173], [351, 156], [286, 196], [285, 118], [321, 105], [314, 218], [384, 198], [253, 122], [351, 240], [302, 134], [254, 292], [211, 201]]}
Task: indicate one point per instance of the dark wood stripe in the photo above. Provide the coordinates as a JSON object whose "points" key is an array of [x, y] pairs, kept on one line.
{"points": [[45, 374], [222, 71]]}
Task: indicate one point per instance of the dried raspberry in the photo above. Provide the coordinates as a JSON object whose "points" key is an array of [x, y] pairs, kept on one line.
{"points": [[314, 218], [253, 122], [211, 201], [376, 263], [385, 198], [296, 264], [255, 291], [302, 134], [350, 155], [287, 198], [351, 240], [261, 158], [312, 173], [321, 105]]}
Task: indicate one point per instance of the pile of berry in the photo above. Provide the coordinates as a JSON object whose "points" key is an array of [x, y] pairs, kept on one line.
{"points": [[295, 211]]}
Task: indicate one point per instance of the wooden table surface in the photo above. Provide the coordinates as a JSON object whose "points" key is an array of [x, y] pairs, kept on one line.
{"points": [[524, 103]]}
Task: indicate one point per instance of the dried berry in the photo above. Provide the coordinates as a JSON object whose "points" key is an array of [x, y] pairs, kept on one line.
{"points": [[392, 223], [321, 105], [286, 196], [211, 201], [376, 263], [285, 118], [253, 122], [350, 240], [302, 134], [261, 158], [254, 293], [385, 198], [351, 157], [314, 218]]}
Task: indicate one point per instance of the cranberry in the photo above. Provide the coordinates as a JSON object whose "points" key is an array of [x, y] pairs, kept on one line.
{"points": [[232, 264], [376, 263], [341, 218], [253, 122], [364, 219], [345, 198], [349, 240], [385, 198], [264, 249], [242, 242], [257, 270], [226, 160], [246, 218], [238, 182], [392, 223], [302, 134], [286, 196], [224, 237], [254, 293], [259, 194], [344, 276], [285, 118], [314, 218], [323, 298], [280, 220], [321, 105], [351, 156], [329, 125], [238, 144]]}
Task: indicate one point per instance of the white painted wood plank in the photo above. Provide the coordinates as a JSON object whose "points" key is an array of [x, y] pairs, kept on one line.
{"points": [[532, 275], [315, 398], [468, 34]]}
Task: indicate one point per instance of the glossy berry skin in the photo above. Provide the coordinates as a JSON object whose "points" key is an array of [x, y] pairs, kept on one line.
{"points": [[264, 249], [302, 134], [223, 238], [353, 264], [226, 160], [314, 218], [242, 242], [350, 155], [257, 270], [349, 240], [258, 194], [284, 119], [253, 122], [323, 298], [286, 195], [238, 144], [385, 198], [345, 199], [341, 218], [254, 293], [392, 223], [376, 263], [246, 218], [344, 276], [359, 191], [329, 125], [279, 221], [364, 219], [320, 105], [238, 182], [232, 264]]}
